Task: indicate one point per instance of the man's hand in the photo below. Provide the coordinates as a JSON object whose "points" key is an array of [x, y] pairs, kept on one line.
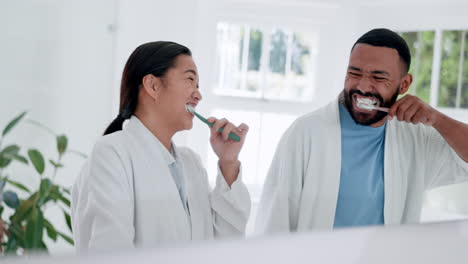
{"points": [[411, 109]]}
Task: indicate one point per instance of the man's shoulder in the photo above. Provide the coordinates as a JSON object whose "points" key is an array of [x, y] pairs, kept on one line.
{"points": [[324, 116], [315, 124]]}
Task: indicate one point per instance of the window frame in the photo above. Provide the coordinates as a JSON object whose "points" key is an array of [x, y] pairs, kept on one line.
{"points": [[267, 29]]}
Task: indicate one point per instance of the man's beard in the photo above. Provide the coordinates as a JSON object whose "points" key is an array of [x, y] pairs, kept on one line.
{"points": [[370, 118]]}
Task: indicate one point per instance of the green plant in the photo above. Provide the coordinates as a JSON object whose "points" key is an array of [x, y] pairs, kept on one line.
{"points": [[25, 228]]}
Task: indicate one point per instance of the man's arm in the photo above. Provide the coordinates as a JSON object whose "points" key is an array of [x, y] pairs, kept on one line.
{"points": [[455, 133], [412, 109]]}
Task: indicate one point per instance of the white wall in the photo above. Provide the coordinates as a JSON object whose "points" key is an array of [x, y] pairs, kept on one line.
{"points": [[56, 61]]}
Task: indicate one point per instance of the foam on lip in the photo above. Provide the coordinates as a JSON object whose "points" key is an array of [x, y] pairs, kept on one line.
{"points": [[189, 108], [366, 103], [365, 106]]}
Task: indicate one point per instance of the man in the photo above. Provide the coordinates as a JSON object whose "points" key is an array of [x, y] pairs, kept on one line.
{"points": [[345, 165]]}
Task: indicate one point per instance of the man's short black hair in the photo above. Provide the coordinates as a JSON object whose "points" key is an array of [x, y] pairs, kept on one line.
{"points": [[382, 37]]}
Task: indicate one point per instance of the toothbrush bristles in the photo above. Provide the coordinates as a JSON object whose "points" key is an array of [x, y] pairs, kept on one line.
{"points": [[189, 108]]}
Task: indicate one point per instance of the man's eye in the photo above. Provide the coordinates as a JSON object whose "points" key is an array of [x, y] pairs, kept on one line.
{"points": [[380, 78], [192, 79], [354, 74]]}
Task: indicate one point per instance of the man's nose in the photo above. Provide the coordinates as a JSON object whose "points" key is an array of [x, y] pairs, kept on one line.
{"points": [[365, 84]]}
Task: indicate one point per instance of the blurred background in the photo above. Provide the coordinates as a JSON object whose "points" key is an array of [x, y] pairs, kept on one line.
{"points": [[261, 62]]}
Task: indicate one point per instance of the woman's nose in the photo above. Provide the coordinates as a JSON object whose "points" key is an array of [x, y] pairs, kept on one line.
{"points": [[197, 95]]}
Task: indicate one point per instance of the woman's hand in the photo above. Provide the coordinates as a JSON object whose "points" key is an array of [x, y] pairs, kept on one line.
{"points": [[227, 149]]}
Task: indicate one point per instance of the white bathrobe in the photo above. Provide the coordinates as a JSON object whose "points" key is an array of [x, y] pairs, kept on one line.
{"points": [[301, 189], [126, 196]]}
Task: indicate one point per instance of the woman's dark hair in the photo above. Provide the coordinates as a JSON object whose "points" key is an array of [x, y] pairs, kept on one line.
{"points": [[382, 37], [151, 58]]}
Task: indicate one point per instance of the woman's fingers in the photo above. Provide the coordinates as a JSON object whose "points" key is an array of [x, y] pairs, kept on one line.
{"points": [[218, 124], [228, 128]]}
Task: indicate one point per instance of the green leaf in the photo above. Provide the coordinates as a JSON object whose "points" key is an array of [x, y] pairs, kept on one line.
{"points": [[37, 160], [34, 229], [64, 200], [11, 246], [11, 199], [44, 191], [18, 185], [43, 246], [11, 153], [55, 164], [54, 193], [24, 209], [20, 158], [11, 150], [17, 231], [8, 154], [51, 232], [2, 184], [66, 237], [13, 123], [62, 142], [4, 161], [68, 220]]}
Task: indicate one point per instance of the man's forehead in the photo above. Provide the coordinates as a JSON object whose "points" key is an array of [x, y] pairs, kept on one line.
{"points": [[373, 58]]}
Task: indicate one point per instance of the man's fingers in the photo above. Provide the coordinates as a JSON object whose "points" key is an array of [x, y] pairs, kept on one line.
{"points": [[410, 112], [393, 110]]}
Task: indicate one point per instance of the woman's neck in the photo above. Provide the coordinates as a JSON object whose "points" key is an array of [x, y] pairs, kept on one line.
{"points": [[158, 127]]}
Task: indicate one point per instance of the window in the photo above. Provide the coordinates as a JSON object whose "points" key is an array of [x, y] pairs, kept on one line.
{"points": [[270, 72], [267, 63], [440, 77], [440, 55], [421, 46], [453, 91]]}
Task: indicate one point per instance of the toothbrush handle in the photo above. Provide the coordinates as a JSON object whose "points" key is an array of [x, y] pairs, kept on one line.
{"points": [[383, 109], [231, 135]]}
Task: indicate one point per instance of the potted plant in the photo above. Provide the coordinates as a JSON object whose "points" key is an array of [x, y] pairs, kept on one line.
{"points": [[24, 229]]}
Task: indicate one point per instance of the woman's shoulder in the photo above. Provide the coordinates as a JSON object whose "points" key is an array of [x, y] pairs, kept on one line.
{"points": [[110, 145]]}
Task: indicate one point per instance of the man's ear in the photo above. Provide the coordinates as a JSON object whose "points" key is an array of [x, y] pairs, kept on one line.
{"points": [[151, 84], [405, 84]]}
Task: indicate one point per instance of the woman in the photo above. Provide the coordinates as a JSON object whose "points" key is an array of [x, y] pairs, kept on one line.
{"points": [[137, 188]]}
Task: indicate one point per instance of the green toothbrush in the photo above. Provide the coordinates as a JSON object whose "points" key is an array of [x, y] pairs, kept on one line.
{"points": [[191, 110]]}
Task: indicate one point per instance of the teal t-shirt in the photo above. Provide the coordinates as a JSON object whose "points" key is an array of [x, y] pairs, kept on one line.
{"points": [[361, 193]]}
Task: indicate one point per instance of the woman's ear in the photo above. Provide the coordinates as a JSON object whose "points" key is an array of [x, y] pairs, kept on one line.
{"points": [[405, 84], [151, 85]]}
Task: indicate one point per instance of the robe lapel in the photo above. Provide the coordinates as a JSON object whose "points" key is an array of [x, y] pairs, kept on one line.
{"points": [[394, 181], [158, 208]]}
